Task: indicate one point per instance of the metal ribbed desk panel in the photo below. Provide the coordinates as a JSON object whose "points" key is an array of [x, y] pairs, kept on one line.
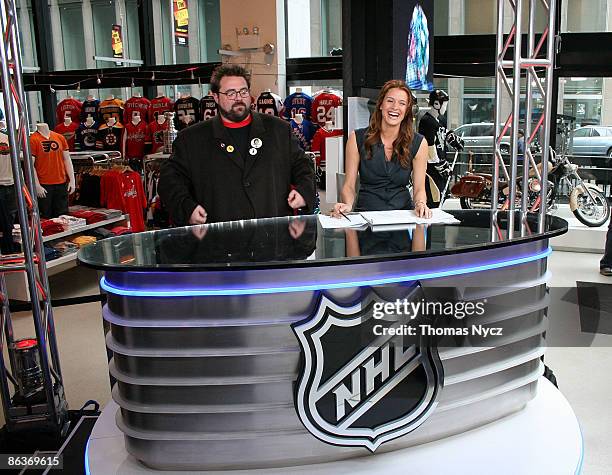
{"points": [[208, 382], [163, 451]]}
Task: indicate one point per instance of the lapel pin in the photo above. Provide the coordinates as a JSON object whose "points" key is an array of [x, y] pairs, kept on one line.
{"points": [[253, 151], [256, 142], [230, 148], [222, 145]]}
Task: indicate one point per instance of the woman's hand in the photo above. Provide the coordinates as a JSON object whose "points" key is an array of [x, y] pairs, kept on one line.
{"points": [[421, 210], [340, 208]]}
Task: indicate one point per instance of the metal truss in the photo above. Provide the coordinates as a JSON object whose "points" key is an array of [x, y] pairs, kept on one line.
{"points": [[537, 66], [49, 409]]}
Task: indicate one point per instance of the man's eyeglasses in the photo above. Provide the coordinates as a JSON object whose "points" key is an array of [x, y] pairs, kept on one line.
{"points": [[233, 94]]}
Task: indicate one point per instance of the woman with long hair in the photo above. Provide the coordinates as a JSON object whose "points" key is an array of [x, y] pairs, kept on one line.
{"points": [[386, 154]]}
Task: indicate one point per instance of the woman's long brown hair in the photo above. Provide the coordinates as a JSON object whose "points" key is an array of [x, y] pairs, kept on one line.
{"points": [[401, 145]]}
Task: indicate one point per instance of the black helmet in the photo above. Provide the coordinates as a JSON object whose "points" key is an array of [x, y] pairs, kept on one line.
{"points": [[438, 95]]}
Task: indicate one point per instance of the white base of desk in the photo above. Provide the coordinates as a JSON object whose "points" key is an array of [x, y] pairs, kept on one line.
{"points": [[542, 439]]}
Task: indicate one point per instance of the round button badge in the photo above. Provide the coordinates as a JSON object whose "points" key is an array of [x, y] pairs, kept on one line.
{"points": [[230, 148], [256, 142], [253, 151]]}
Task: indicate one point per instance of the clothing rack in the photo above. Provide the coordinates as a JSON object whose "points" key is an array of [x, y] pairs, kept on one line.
{"points": [[98, 159], [95, 158], [151, 163]]}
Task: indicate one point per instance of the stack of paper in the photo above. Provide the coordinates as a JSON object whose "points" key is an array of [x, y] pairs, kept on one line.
{"points": [[352, 220], [394, 218], [385, 218]]}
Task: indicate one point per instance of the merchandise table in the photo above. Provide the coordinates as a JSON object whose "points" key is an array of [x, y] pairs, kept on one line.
{"points": [[275, 343]]}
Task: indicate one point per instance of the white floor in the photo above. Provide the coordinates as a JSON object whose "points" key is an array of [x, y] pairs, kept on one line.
{"points": [[583, 374]]}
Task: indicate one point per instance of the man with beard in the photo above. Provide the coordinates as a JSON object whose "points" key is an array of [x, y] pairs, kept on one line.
{"points": [[238, 165]]}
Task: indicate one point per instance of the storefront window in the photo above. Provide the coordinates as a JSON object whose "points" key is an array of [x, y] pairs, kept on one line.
{"points": [[478, 17], [332, 26], [104, 16], [133, 32], [586, 99], [579, 16], [26, 33], [441, 18], [209, 30], [204, 39], [73, 36], [314, 28]]}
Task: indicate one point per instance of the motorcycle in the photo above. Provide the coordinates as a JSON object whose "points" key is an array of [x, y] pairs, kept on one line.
{"points": [[587, 201]]}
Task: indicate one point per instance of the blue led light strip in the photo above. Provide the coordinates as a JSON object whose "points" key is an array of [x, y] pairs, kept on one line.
{"points": [[320, 286], [87, 471]]}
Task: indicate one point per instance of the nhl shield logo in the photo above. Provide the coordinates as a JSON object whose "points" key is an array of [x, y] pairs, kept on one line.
{"points": [[360, 389]]}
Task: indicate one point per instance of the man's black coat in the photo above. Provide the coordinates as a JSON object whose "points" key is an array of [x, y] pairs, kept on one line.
{"points": [[229, 186]]}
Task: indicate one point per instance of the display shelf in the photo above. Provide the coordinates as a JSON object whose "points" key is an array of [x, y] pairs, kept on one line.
{"points": [[61, 260], [16, 281], [70, 232]]}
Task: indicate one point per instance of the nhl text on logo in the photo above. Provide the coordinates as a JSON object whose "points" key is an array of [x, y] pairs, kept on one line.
{"points": [[356, 389]]}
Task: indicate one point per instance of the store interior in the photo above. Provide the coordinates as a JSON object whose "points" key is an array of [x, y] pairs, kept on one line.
{"points": [[116, 81]]}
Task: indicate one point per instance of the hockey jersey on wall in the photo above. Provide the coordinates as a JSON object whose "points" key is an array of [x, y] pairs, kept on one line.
{"points": [[304, 133], [208, 107], [90, 108], [110, 138], [135, 140], [186, 112], [111, 108], [156, 135], [140, 104], [86, 136], [159, 105], [71, 106], [323, 107], [69, 133], [297, 103], [270, 103]]}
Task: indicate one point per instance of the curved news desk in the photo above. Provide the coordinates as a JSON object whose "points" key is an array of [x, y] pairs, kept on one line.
{"points": [[253, 344]]}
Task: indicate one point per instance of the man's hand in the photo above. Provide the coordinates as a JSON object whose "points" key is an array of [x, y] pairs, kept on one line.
{"points": [[198, 216], [296, 200], [71, 187], [40, 191]]}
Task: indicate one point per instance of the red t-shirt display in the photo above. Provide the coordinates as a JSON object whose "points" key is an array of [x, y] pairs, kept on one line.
{"points": [[124, 191], [323, 105], [70, 105], [156, 135], [69, 133], [139, 104], [136, 138]]}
